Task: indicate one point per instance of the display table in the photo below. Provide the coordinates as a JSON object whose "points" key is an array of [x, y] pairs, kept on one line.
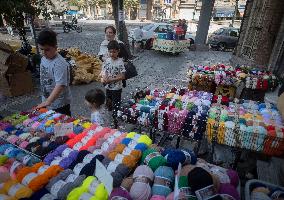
{"points": [[170, 46]]}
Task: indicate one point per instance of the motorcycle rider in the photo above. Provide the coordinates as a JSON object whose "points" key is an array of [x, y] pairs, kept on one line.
{"points": [[74, 21]]}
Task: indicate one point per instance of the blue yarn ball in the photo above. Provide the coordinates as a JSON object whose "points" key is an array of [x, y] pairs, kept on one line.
{"points": [[174, 157], [145, 109], [19, 132], [9, 129], [141, 146], [126, 141], [49, 129], [78, 129], [4, 147], [14, 153], [167, 174]]}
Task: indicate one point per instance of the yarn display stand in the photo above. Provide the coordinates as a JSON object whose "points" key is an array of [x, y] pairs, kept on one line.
{"points": [[28, 152]]}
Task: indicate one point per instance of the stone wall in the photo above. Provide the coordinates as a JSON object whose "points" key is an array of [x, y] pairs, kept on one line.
{"points": [[259, 30]]}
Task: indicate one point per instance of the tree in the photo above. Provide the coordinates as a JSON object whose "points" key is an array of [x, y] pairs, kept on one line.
{"points": [[130, 6], [15, 11], [122, 30], [98, 3]]}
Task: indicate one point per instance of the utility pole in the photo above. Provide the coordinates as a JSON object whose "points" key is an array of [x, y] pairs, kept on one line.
{"points": [[120, 14], [235, 13]]}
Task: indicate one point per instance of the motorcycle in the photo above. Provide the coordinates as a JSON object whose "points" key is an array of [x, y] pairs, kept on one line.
{"points": [[67, 27]]}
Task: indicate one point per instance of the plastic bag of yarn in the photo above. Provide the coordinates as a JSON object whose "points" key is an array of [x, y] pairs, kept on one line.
{"points": [[163, 182], [153, 159], [143, 177]]}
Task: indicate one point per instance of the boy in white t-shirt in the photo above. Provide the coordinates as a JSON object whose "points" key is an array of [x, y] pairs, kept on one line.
{"points": [[112, 74]]}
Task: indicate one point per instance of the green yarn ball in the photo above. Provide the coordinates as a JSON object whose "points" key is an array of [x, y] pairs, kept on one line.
{"points": [[155, 162]]}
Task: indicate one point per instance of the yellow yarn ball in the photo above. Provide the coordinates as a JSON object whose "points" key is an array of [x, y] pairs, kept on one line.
{"points": [[76, 122], [77, 192], [87, 125], [49, 122], [145, 139], [101, 192], [131, 135], [3, 159]]}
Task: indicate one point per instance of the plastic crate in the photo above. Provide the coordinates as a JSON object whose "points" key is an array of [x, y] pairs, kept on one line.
{"points": [[248, 187]]}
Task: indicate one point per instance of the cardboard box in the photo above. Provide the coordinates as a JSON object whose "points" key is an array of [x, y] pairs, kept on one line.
{"points": [[16, 84], [14, 79]]}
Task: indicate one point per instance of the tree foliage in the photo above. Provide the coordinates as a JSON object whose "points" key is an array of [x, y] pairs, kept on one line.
{"points": [[15, 11]]}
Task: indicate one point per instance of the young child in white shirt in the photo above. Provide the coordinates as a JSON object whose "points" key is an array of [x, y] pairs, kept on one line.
{"points": [[95, 99], [112, 74]]}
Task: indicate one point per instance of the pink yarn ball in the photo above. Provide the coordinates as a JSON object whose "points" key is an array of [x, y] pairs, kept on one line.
{"points": [[158, 197]]}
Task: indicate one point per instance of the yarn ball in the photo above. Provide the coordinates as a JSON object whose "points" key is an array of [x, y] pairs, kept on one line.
{"points": [[226, 188], [153, 159], [234, 178], [127, 183], [199, 178], [174, 157], [163, 182], [181, 196], [119, 193], [128, 161], [143, 177], [158, 197]]}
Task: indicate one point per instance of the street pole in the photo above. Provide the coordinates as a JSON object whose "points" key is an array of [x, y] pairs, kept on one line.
{"points": [[120, 19], [235, 13]]}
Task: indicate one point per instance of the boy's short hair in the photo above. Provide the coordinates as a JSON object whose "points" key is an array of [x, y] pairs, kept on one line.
{"points": [[113, 45], [95, 96], [47, 37]]}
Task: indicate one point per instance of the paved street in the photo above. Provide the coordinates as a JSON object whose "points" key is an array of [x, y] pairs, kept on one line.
{"points": [[155, 70]]}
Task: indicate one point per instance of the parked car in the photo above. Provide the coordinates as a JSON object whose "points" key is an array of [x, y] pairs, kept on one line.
{"points": [[224, 38], [146, 33]]}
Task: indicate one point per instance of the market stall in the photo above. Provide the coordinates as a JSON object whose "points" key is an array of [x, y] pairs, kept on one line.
{"points": [[179, 113], [101, 163], [170, 46], [249, 83]]}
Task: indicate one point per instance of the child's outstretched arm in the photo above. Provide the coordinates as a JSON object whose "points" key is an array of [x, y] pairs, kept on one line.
{"points": [[52, 97]]}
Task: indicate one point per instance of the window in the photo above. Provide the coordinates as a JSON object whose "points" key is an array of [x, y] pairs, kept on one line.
{"points": [[219, 31], [148, 27], [234, 33]]}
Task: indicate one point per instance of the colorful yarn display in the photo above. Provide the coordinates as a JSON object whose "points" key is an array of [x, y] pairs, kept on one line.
{"points": [[153, 159], [143, 178]]}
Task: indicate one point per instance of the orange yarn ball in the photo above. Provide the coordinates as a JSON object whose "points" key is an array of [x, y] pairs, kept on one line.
{"points": [[26, 170], [128, 161], [41, 180], [135, 153]]}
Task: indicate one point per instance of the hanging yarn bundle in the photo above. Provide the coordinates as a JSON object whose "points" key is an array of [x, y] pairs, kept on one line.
{"points": [[153, 159], [164, 181], [142, 180]]}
